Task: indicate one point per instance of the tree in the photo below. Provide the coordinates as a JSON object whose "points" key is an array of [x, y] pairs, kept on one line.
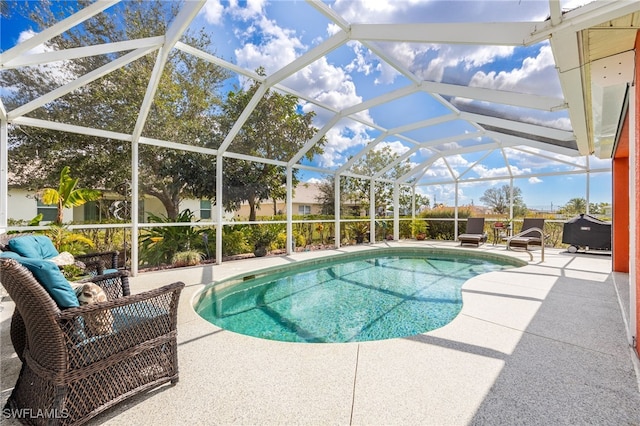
{"points": [[275, 130], [182, 110], [421, 202], [326, 195], [374, 161], [498, 199], [598, 208], [67, 195], [575, 206]]}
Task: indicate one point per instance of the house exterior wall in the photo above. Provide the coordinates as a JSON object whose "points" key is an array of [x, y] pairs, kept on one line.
{"points": [[191, 204], [23, 206], [620, 197], [634, 164], [626, 202], [266, 209]]}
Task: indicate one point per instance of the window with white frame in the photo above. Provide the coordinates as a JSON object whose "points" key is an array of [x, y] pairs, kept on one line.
{"points": [[49, 211], [205, 209], [304, 209]]}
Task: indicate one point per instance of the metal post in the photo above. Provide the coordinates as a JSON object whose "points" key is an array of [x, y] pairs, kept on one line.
{"points": [[336, 210], [135, 194], [455, 212], [372, 211], [511, 205], [396, 211], [219, 220], [587, 190], [4, 180], [289, 208]]}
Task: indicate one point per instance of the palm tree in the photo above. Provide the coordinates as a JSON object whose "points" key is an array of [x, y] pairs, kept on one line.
{"points": [[67, 195], [575, 206]]}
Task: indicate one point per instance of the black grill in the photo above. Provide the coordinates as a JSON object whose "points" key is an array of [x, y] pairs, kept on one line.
{"points": [[588, 232]]}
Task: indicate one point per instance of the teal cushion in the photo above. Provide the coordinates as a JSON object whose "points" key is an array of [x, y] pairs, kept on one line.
{"points": [[33, 246], [50, 277], [10, 255]]}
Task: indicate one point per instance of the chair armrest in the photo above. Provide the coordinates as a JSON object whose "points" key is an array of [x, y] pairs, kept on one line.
{"points": [[165, 296], [108, 258], [115, 284], [120, 327], [95, 267]]}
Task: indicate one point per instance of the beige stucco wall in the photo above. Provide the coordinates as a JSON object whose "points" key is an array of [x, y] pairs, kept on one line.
{"points": [[23, 206]]}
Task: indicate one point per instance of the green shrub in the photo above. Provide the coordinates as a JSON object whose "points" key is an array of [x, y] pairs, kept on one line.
{"points": [[66, 240], [187, 258], [235, 240], [444, 229], [159, 244]]}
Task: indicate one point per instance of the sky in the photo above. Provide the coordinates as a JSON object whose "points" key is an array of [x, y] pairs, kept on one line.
{"points": [[270, 34]]}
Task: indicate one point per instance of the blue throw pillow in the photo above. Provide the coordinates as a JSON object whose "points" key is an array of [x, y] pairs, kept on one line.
{"points": [[50, 277], [33, 246]]}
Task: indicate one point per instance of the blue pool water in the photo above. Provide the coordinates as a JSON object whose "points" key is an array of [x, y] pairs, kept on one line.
{"points": [[346, 300]]}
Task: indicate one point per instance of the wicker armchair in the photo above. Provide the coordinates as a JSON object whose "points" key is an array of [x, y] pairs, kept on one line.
{"points": [[72, 373], [95, 263]]}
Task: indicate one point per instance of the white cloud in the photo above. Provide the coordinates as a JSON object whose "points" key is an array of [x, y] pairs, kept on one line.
{"points": [[341, 139], [536, 75], [249, 9], [534, 180], [405, 11], [395, 147], [314, 180], [213, 12], [279, 46], [58, 71], [361, 62], [453, 56], [325, 82]]}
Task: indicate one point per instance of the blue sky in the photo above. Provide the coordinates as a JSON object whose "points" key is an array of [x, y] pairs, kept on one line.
{"points": [[271, 34]]}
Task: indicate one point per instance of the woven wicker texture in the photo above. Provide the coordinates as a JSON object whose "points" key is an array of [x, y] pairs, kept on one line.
{"points": [[71, 371]]}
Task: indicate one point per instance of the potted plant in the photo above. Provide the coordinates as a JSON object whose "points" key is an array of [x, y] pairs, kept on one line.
{"points": [[359, 230], [263, 236], [419, 229]]}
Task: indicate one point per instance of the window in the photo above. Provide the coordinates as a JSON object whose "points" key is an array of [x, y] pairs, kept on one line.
{"points": [[49, 212], [91, 212], [205, 209], [304, 210]]}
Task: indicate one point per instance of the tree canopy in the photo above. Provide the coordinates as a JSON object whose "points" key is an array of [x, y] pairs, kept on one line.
{"points": [[358, 190], [498, 198], [276, 130], [183, 109]]}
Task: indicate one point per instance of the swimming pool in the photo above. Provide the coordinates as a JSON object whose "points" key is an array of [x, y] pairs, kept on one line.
{"points": [[375, 295]]}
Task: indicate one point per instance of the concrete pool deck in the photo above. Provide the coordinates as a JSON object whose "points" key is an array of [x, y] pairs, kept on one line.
{"points": [[541, 344]]}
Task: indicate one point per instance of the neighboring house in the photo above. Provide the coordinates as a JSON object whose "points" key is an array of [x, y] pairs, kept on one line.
{"points": [[24, 206], [304, 203]]}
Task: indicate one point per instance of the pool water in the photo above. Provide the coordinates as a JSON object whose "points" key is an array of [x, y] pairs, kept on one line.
{"points": [[370, 298]]}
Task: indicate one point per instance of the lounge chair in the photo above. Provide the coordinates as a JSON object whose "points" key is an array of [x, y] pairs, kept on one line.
{"points": [[523, 239], [475, 232]]}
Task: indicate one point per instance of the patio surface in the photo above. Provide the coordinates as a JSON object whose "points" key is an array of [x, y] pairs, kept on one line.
{"points": [[544, 344]]}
